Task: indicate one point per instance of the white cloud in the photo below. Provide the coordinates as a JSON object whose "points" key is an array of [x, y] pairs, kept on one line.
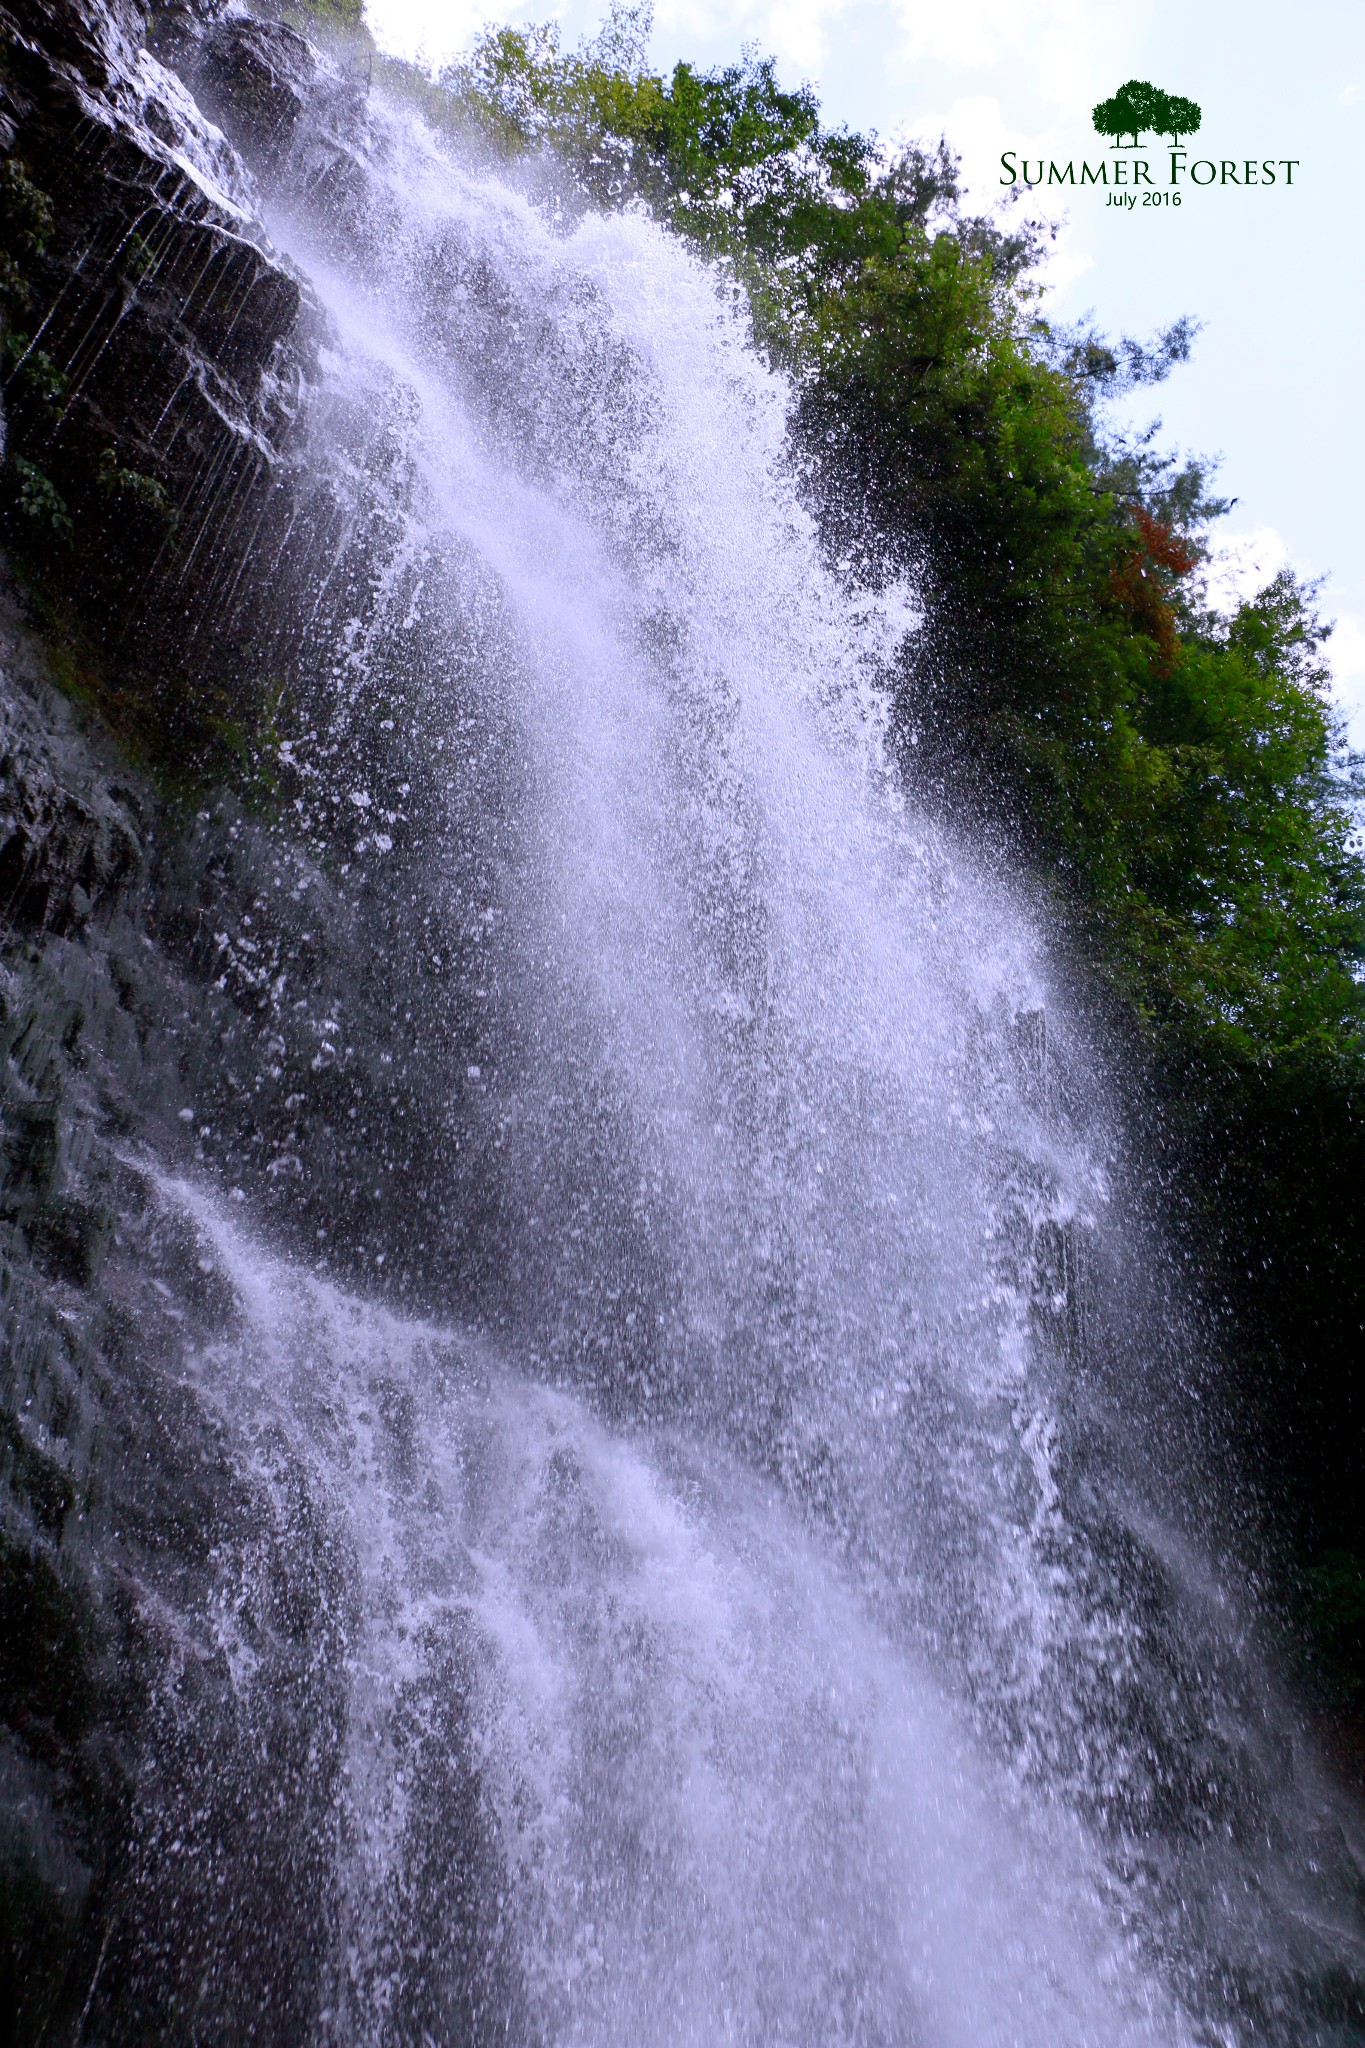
{"points": [[1069, 51], [977, 129], [426, 32], [794, 31], [1346, 652], [1242, 564], [1064, 53], [1347, 647]]}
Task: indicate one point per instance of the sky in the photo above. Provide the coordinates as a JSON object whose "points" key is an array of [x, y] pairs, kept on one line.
{"points": [[1275, 276]]}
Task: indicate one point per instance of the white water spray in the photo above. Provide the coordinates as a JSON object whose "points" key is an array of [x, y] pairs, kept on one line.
{"points": [[759, 1633]]}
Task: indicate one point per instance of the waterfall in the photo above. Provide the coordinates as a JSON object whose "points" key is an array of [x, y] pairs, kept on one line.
{"points": [[764, 1598]]}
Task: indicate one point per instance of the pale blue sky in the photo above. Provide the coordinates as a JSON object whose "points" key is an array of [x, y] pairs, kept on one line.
{"points": [[1277, 277]]}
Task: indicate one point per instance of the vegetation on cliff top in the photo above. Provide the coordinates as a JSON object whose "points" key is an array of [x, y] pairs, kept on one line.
{"points": [[1176, 770]]}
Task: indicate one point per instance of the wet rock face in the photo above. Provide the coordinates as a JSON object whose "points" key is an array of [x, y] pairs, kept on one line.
{"points": [[155, 348], [93, 42], [184, 988], [179, 992], [65, 850], [124, 1520], [158, 353], [172, 1618], [252, 77]]}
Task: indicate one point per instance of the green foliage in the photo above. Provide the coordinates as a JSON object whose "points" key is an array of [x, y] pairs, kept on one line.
{"points": [[1242, 917], [131, 487], [1171, 768], [136, 255], [30, 503], [33, 370], [729, 157], [595, 110], [26, 221], [30, 496]]}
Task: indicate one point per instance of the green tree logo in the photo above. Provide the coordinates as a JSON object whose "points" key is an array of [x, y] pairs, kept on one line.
{"points": [[1176, 117], [1138, 106]]}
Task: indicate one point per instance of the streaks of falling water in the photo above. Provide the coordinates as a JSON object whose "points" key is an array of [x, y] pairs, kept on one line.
{"points": [[626, 1761], [781, 1643]]}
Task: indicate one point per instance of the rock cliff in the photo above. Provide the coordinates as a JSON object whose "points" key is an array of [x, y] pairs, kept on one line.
{"points": [[184, 985]]}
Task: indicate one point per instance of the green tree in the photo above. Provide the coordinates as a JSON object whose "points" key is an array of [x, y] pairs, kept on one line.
{"points": [[1135, 107], [1175, 117]]}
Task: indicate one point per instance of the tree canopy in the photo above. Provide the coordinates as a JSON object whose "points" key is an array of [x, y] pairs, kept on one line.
{"points": [[1178, 117], [1176, 769]]}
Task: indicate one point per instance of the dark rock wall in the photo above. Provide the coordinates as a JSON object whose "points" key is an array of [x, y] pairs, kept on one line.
{"points": [[209, 965], [160, 497], [123, 1515], [154, 355], [183, 986]]}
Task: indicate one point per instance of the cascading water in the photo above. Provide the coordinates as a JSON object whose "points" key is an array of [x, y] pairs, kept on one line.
{"points": [[752, 1618]]}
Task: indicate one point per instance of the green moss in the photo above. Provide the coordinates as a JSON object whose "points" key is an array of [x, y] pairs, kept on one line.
{"points": [[137, 256], [33, 371], [186, 736], [344, 17]]}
